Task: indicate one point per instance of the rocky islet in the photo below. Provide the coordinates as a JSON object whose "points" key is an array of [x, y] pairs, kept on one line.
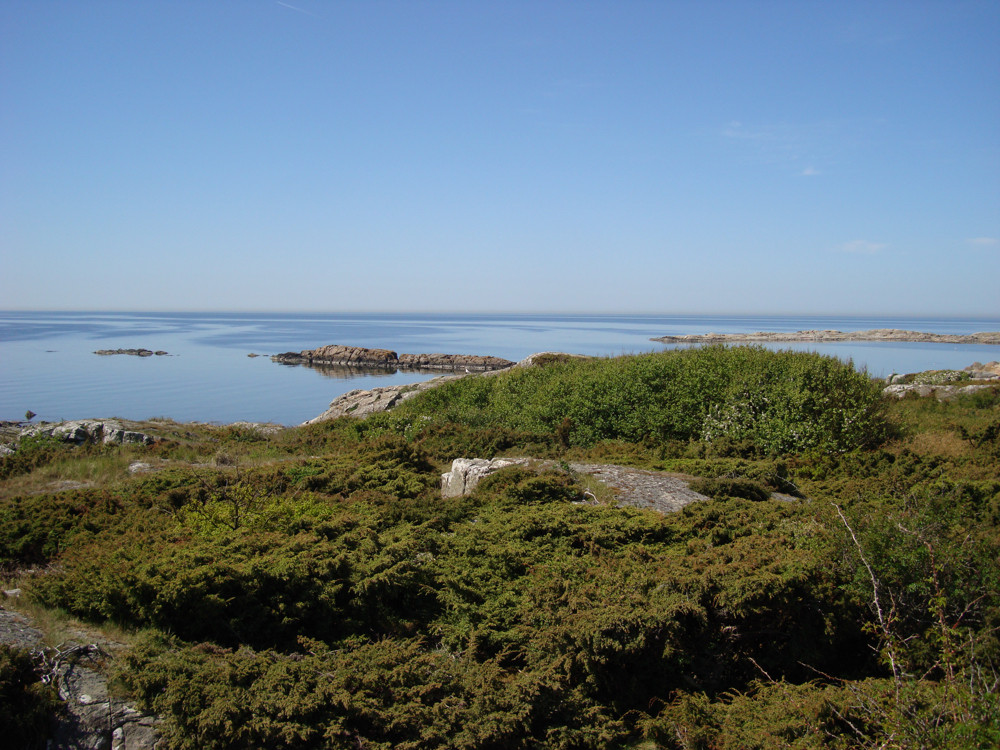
{"points": [[876, 334], [357, 356]]}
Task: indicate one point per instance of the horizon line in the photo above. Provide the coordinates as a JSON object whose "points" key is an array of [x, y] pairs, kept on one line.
{"points": [[574, 313]]}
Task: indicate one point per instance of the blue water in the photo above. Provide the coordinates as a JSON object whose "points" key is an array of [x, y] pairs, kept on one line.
{"points": [[47, 362]]}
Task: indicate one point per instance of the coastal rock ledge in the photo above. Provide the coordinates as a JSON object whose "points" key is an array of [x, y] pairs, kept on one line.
{"points": [[357, 356], [877, 334]]}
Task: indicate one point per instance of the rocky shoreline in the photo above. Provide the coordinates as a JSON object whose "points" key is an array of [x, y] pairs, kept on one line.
{"points": [[357, 356], [877, 334]]}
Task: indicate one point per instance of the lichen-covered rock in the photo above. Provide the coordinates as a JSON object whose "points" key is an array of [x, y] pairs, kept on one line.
{"points": [[940, 392], [80, 431]]}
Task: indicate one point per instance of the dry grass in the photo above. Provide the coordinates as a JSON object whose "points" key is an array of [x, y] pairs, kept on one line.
{"points": [[58, 628], [938, 442], [70, 472]]}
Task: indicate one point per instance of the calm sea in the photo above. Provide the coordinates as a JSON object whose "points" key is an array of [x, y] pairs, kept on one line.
{"points": [[47, 362]]}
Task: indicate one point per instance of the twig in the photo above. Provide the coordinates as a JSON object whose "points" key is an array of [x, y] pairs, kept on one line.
{"points": [[883, 625]]}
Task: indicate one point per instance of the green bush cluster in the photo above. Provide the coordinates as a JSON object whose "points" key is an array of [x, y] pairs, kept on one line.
{"points": [[28, 707], [31, 453], [779, 401]]}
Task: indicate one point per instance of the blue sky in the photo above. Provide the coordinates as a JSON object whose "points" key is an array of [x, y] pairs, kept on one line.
{"points": [[674, 157]]}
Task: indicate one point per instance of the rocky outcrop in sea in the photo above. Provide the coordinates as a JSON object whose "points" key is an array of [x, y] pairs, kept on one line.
{"points": [[357, 356], [131, 352], [877, 334]]}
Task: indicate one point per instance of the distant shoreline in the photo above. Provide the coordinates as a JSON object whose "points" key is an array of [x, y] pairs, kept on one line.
{"points": [[877, 334]]}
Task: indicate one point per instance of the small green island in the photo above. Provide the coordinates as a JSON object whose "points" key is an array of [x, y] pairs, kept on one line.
{"points": [[713, 547]]}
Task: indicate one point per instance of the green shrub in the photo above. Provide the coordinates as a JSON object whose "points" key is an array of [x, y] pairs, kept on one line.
{"points": [[742, 396], [31, 453], [28, 707], [723, 488], [36, 528]]}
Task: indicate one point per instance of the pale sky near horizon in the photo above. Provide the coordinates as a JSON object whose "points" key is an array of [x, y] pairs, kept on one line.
{"points": [[544, 156]]}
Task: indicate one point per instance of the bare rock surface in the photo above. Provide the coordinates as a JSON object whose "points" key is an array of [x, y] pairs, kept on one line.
{"points": [[641, 488], [877, 334], [15, 629], [978, 370], [94, 719], [80, 431], [636, 488], [361, 403]]}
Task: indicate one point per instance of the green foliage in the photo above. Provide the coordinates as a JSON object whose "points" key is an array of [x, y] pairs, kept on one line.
{"points": [[28, 707], [779, 401], [31, 453], [382, 694], [317, 591], [869, 713], [939, 582], [986, 438], [725, 487], [35, 528]]}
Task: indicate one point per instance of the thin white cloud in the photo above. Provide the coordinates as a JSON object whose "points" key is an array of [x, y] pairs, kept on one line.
{"points": [[862, 247], [810, 172], [292, 7], [983, 241], [736, 130]]}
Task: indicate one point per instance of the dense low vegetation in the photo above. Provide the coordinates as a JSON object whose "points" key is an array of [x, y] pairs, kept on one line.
{"points": [[780, 401], [311, 589]]}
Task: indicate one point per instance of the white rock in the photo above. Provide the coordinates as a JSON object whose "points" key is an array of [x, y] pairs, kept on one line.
{"points": [[466, 472]]}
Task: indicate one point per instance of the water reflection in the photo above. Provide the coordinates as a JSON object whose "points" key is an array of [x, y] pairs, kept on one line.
{"points": [[347, 372]]}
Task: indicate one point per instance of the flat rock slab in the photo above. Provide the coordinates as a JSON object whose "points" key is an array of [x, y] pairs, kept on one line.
{"points": [[640, 488], [635, 488], [15, 630]]}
